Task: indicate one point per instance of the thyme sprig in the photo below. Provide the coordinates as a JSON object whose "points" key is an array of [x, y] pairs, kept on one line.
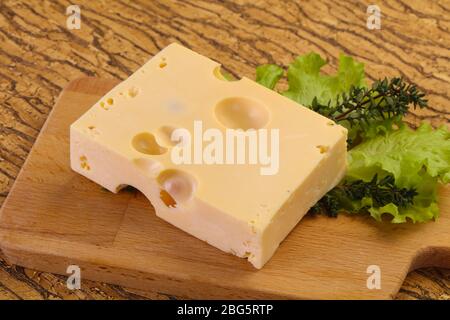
{"points": [[385, 99], [382, 192]]}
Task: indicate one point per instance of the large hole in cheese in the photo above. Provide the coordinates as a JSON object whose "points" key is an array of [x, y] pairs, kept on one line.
{"points": [[178, 184], [164, 135], [241, 113], [146, 143]]}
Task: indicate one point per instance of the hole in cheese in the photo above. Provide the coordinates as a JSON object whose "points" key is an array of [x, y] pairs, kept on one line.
{"points": [[84, 164], [167, 199], [164, 135], [323, 149], [102, 105], [133, 92], [179, 185], [223, 75], [124, 187], [146, 143], [121, 187], [241, 113], [163, 63]]}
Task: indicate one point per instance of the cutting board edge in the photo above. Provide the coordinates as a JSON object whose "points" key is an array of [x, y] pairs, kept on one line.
{"points": [[37, 260]]}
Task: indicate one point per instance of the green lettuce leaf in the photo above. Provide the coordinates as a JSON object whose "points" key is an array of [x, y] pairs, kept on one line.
{"points": [[375, 128], [306, 81], [268, 75], [417, 159]]}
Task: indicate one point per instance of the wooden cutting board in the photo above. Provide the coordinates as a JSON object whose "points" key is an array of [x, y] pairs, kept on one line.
{"points": [[54, 218]]}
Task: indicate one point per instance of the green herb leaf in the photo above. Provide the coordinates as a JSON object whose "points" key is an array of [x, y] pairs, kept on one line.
{"points": [[306, 81], [358, 195], [404, 153], [268, 75], [366, 112], [417, 160]]}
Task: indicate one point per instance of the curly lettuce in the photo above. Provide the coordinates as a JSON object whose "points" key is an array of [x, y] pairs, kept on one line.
{"points": [[306, 81], [417, 159]]}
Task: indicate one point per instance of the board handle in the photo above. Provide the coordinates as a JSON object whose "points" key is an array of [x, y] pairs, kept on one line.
{"points": [[433, 256], [436, 251]]}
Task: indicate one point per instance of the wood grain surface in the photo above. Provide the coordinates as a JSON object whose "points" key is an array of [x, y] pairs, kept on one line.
{"points": [[39, 56]]}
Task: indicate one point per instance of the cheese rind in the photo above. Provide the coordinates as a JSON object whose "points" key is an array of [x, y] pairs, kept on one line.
{"points": [[124, 139]]}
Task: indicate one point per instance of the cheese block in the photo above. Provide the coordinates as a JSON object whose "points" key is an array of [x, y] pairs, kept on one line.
{"points": [[230, 162]]}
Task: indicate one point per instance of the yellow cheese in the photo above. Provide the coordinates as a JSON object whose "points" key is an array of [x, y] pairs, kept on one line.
{"points": [[246, 206]]}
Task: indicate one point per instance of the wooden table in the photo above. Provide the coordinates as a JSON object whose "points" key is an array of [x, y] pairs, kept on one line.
{"points": [[39, 55]]}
